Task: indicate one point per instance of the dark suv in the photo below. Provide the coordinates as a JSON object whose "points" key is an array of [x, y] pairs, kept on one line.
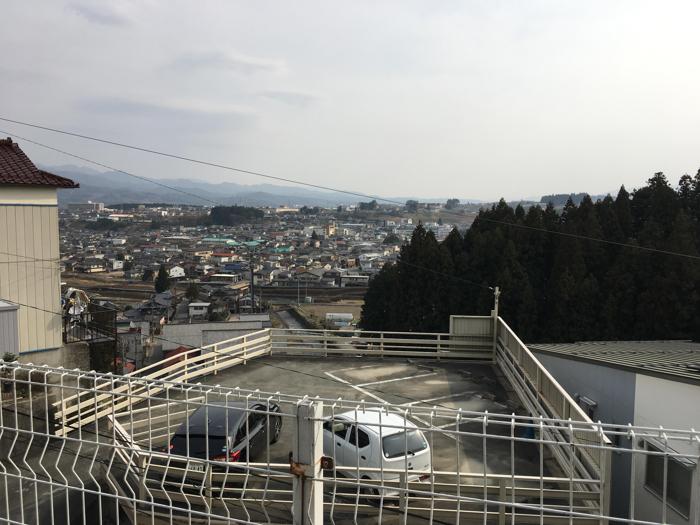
{"points": [[234, 432]]}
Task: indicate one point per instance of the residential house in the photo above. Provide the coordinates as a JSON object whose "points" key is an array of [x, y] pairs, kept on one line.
{"points": [[29, 249]]}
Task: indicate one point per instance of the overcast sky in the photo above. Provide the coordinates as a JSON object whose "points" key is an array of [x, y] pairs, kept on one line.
{"points": [[472, 99]]}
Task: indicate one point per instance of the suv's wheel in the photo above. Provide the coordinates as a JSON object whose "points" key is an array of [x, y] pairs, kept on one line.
{"points": [[277, 430]]}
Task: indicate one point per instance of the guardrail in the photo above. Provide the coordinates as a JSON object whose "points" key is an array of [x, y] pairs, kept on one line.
{"points": [[474, 341], [87, 404], [542, 394], [213, 358], [381, 344], [128, 450]]}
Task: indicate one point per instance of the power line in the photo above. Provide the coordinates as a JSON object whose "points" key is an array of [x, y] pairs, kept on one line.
{"points": [[193, 160], [285, 179], [35, 307], [28, 259], [594, 239], [184, 192], [455, 277], [205, 199]]}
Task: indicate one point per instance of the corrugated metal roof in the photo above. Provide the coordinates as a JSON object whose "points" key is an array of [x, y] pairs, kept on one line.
{"points": [[673, 359]]}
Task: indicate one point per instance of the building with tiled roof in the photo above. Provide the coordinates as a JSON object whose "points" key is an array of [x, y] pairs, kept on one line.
{"points": [[29, 251], [17, 169]]}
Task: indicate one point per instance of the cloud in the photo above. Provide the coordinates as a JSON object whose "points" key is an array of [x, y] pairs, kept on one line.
{"points": [[225, 62], [175, 118], [292, 98], [102, 14]]}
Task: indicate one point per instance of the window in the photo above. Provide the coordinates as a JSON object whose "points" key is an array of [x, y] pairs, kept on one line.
{"points": [[339, 428], [358, 436], [679, 479], [403, 443]]}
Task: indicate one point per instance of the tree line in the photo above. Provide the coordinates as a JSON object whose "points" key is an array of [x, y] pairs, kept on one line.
{"points": [[559, 282]]}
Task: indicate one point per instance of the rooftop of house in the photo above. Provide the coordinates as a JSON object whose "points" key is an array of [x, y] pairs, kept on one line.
{"points": [[674, 360], [16, 168]]}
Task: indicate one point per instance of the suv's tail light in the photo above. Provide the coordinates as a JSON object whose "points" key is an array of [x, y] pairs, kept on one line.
{"points": [[234, 455], [424, 477]]}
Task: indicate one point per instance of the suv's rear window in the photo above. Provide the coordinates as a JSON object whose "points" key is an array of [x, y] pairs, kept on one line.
{"points": [[403, 443], [198, 445]]}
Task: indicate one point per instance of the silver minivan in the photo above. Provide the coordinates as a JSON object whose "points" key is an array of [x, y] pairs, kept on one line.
{"points": [[376, 440]]}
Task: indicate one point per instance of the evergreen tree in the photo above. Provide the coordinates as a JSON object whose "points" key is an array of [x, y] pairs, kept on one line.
{"points": [[192, 292], [162, 280], [558, 282]]}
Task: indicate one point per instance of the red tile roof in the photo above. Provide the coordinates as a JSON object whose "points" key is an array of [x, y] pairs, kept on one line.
{"points": [[16, 168]]}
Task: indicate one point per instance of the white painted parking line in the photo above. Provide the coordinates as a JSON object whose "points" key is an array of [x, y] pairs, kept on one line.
{"points": [[397, 379], [377, 398], [359, 389], [440, 398], [353, 368]]}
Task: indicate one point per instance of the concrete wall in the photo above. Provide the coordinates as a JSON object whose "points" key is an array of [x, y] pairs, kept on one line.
{"points": [[29, 231], [73, 355], [671, 404], [614, 391], [200, 334]]}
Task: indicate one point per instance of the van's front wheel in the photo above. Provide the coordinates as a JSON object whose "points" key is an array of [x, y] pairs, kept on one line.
{"points": [[371, 495]]}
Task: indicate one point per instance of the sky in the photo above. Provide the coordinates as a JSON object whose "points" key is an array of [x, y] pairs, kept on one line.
{"points": [[467, 99]]}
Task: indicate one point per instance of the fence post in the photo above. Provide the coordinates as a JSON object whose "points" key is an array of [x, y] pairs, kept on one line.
{"points": [[605, 474], [245, 349], [216, 354], [496, 294], [381, 345], [403, 496], [502, 501], [307, 508]]}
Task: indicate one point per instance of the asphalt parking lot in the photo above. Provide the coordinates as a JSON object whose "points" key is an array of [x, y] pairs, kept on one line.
{"points": [[403, 382]]}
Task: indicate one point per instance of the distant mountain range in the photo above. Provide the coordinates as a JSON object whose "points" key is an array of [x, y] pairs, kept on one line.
{"points": [[114, 188]]}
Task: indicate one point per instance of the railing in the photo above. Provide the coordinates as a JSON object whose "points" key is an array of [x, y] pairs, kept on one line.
{"points": [[472, 340], [542, 394], [482, 467], [95, 324], [84, 407], [381, 344], [211, 359]]}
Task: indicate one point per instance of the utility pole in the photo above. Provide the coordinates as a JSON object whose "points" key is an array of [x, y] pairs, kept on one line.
{"points": [[252, 285], [496, 295], [298, 290]]}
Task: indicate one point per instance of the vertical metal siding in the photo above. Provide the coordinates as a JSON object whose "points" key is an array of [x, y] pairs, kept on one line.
{"points": [[9, 332], [467, 325], [27, 233]]}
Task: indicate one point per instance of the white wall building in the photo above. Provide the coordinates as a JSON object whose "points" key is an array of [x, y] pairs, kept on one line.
{"points": [[645, 383], [29, 255]]}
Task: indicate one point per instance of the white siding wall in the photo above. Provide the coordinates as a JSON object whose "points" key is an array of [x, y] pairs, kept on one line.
{"points": [[671, 404], [481, 326], [30, 232]]}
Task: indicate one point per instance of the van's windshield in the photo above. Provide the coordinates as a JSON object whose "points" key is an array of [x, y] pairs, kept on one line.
{"points": [[403, 443]]}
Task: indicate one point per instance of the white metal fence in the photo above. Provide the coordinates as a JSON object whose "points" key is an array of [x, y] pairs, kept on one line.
{"points": [[148, 458]]}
